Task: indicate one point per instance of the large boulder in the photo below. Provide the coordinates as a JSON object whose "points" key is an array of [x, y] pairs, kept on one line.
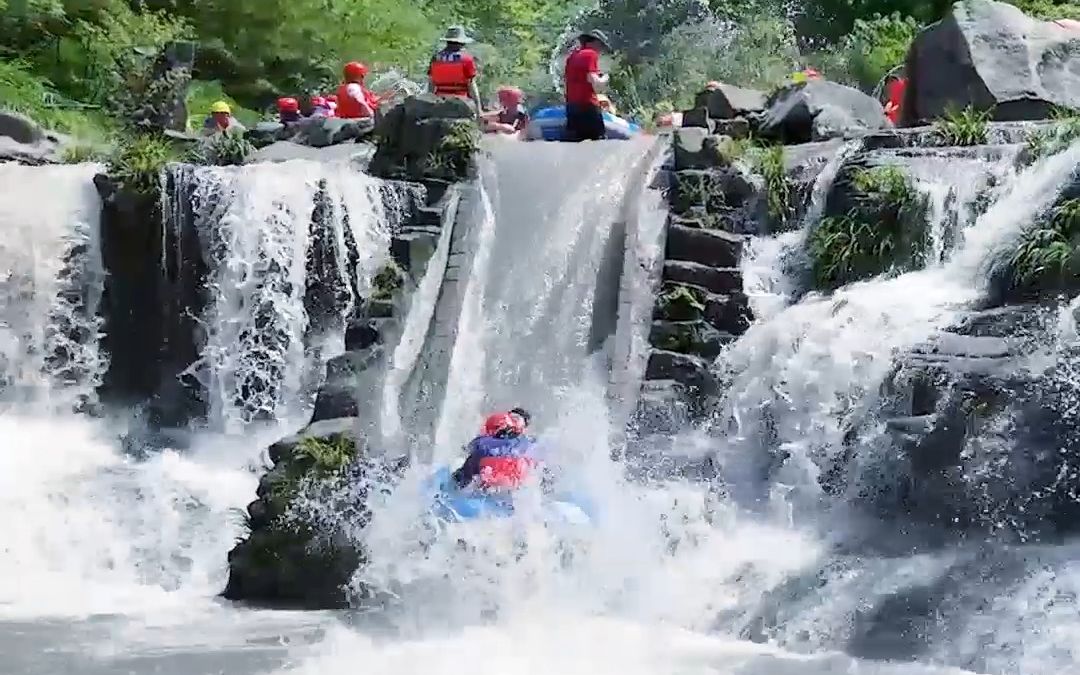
{"points": [[993, 57], [726, 101], [819, 110], [23, 141], [301, 549], [424, 137]]}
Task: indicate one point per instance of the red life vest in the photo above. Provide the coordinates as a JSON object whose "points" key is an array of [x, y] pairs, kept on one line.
{"points": [[894, 93], [451, 72], [504, 472], [348, 107]]}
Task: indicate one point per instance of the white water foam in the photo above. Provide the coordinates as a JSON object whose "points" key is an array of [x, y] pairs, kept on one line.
{"points": [[258, 361]]}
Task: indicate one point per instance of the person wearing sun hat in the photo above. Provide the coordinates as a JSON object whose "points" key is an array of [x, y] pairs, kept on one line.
{"points": [[453, 70]]}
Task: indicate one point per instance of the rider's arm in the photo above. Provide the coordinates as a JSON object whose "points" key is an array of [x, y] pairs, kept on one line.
{"points": [[469, 469]]}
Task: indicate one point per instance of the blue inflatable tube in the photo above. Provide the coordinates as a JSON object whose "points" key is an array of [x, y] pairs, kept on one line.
{"points": [[450, 504], [549, 124]]}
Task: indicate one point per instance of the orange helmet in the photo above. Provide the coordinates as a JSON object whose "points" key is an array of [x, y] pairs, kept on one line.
{"points": [[354, 70]]}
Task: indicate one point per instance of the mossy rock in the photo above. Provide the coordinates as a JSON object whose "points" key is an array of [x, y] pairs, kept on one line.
{"points": [[876, 224], [680, 302]]}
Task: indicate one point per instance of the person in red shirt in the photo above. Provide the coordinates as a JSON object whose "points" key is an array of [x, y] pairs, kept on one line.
{"points": [[894, 94], [511, 118], [354, 101], [584, 117], [453, 71]]}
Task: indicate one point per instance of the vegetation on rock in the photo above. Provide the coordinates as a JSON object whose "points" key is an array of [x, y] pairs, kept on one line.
{"points": [[769, 162], [1046, 257], [884, 231], [680, 302], [1063, 132], [137, 163], [963, 127]]}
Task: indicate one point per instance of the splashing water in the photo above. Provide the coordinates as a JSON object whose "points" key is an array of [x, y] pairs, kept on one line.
{"points": [[259, 361]]}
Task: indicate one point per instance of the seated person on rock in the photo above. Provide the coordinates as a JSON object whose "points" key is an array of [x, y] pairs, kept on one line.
{"points": [[354, 100], [511, 118], [320, 107], [502, 457], [221, 121], [288, 110]]}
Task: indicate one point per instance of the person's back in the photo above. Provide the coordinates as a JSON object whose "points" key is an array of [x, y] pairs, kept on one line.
{"points": [[501, 457], [453, 71]]}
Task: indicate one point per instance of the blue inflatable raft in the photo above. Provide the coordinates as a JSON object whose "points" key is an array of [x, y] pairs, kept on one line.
{"points": [[549, 124], [450, 504]]}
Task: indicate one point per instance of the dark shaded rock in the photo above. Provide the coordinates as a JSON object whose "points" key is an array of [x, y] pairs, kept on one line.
{"points": [[426, 137], [696, 149], [361, 334], [23, 141], [993, 57], [819, 110], [714, 189], [302, 549], [728, 101], [689, 337], [686, 369], [380, 309], [728, 313], [679, 302], [697, 118], [321, 132], [737, 128], [714, 248], [662, 408], [337, 397], [714, 280], [20, 128]]}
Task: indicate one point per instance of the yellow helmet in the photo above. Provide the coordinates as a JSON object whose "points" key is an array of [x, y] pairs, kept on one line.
{"points": [[221, 107]]}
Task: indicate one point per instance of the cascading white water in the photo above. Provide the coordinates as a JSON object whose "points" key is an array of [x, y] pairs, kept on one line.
{"points": [[255, 224], [115, 558], [50, 285]]}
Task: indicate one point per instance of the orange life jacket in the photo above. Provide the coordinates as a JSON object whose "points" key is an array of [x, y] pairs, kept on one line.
{"points": [[894, 93], [451, 72], [349, 108]]}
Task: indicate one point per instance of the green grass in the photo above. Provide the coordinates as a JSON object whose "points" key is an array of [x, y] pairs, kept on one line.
{"points": [[24, 92], [963, 127], [1063, 132], [885, 230], [769, 162], [1046, 255], [137, 163]]}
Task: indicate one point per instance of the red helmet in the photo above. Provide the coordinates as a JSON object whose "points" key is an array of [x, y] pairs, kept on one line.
{"points": [[510, 96], [288, 104], [354, 70], [503, 424], [332, 98], [318, 101]]}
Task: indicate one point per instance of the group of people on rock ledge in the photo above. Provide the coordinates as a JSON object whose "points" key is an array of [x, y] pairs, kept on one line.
{"points": [[453, 71]]}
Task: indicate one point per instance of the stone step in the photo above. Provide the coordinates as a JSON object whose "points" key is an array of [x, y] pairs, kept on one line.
{"points": [[714, 248], [721, 280]]}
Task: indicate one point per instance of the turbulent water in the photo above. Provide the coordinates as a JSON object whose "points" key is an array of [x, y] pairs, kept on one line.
{"points": [[110, 564]]}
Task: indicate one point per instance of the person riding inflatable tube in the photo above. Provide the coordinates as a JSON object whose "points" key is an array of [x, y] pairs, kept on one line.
{"points": [[549, 124], [500, 461]]}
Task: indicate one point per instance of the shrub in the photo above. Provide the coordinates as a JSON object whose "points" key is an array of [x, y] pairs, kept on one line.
{"points": [[883, 231], [769, 162], [223, 150], [137, 163], [1045, 256], [1063, 132], [453, 157], [966, 127], [325, 456], [877, 45]]}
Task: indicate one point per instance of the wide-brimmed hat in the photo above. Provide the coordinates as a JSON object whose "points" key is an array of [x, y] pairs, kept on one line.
{"points": [[598, 35], [457, 34]]}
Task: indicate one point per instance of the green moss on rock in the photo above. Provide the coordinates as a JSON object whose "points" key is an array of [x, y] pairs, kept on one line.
{"points": [[680, 302], [884, 230]]}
